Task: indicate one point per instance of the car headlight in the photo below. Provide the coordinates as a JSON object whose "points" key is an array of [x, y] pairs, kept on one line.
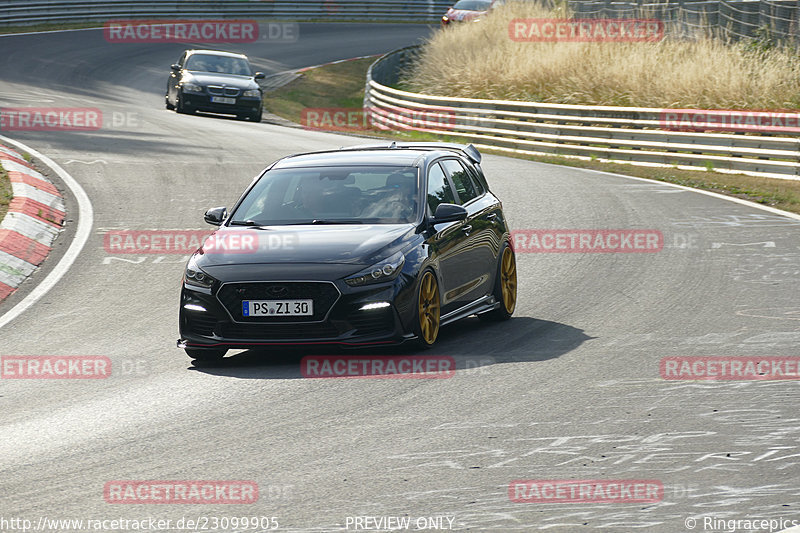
{"points": [[252, 93], [195, 276], [191, 88], [386, 270]]}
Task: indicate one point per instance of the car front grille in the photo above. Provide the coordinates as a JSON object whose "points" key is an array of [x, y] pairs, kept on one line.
{"points": [[323, 294], [217, 90]]}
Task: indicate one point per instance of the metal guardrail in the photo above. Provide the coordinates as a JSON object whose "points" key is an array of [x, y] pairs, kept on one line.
{"points": [[730, 19], [18, 13], [735, 19], [620, 134]]}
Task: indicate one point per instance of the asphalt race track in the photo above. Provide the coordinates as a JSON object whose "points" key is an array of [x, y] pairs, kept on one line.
{"points": [[568, 389]]}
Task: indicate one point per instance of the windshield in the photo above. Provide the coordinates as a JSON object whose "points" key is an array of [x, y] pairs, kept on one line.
{"points": [[221, 64], [473, 5], [332, 195]]}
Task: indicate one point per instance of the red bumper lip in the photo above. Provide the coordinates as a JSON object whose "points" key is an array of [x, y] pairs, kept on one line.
{"points": [[182, 343]]}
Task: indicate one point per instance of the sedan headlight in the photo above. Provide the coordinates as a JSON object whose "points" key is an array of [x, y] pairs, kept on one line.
{"points": [[191, 88], [252, 93], [386, 270], [196, 277]]}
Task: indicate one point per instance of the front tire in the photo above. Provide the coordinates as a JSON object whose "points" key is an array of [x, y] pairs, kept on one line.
{"points": [[429, 306], [167, 104], [505, 287], [206, 355], [182, 107]]}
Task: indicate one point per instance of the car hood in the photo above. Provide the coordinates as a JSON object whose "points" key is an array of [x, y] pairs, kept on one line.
{"points": [[211, 78], [351, 244]]}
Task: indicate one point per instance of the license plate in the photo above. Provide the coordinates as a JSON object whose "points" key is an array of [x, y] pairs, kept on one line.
{"points": [[277, 307], [223, 100]]}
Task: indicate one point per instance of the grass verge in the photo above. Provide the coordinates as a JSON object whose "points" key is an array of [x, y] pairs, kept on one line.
{"points": [[339, 86], [49, 27], [5, 192], [342, 86]]}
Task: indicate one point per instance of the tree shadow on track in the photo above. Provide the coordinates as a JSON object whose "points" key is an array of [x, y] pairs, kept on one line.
{"points": [[470, 342]]}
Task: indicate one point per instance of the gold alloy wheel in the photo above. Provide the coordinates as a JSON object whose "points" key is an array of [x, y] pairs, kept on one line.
{"points": [[508, 280], [429, 308]]}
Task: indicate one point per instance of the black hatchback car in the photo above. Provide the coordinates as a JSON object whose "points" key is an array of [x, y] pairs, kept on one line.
{"points": [[216, 82], [360, 246]]}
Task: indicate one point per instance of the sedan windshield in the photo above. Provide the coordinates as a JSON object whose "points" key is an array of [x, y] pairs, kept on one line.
{"points": [[473, 5], [220, 64], [331, 195]]}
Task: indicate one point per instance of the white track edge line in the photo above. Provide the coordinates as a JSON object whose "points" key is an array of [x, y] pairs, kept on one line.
{"points": [[48, 31], [748, 203], [82, 233]]}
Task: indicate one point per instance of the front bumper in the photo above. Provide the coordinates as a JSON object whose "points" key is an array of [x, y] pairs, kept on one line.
{"points": [[213, 319], [202, 102]]}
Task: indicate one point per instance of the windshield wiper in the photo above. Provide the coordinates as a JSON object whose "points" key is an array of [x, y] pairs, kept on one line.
{"points": [[336, 221], [243, 223]]}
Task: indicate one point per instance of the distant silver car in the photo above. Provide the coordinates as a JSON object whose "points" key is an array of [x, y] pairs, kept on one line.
{"points": [[217, 82], [468, 10]]}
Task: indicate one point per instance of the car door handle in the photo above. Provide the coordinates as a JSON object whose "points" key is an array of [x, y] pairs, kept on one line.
{"points": [[491, 216], [466, 229]]}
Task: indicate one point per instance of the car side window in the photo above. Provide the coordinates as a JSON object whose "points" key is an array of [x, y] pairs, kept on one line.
{"points": [[439, 190], [476, 181], [461, 179]]}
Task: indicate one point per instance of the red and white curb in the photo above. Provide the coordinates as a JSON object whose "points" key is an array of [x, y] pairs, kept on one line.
{"points": [[34, 219]]}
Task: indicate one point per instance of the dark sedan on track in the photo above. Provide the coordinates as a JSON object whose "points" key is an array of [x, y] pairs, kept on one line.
{"points": [[215, 82], [370, 245]]}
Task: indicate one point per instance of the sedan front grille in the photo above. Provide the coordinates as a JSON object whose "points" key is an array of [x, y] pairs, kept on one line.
{"points": [[218, 90]]}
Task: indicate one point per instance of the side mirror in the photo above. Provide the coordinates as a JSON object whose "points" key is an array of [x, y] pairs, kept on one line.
{"points": [[449, 213], [260, 76], [216, 215], [176, 67]]}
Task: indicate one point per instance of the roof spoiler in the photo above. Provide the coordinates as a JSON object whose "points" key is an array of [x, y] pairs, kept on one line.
{"points": [[468, 150]]}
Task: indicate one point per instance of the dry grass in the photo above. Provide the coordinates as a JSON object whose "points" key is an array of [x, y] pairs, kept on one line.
{"points": [[343, 85], [480, 61]]}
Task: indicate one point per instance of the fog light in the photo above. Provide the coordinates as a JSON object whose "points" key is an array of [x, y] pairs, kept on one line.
{"points": [[194, 307], [374, 305]]}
